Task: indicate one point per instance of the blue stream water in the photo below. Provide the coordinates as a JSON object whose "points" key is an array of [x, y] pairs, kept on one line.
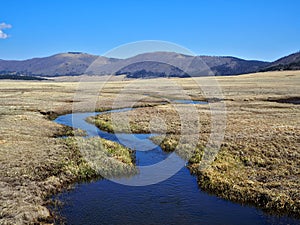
{"points": [[177, 200]]}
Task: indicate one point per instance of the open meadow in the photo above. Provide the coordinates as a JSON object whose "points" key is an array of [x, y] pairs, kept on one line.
{"points": [[258, 162]]}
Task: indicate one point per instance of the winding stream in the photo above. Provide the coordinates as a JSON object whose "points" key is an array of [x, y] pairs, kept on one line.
{"points": [[177, 200]]}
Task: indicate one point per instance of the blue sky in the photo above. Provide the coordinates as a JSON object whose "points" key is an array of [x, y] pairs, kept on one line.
{"points": [[254, 29]]}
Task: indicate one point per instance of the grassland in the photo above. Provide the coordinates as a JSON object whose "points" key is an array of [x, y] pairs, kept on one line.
{"points": [[258, 162]]}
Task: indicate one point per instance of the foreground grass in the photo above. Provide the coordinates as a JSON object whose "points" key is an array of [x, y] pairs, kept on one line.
{"points": [[44, 166]]}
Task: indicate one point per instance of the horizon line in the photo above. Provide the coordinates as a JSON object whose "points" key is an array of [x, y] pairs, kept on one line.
{"points": [[165, 51]]}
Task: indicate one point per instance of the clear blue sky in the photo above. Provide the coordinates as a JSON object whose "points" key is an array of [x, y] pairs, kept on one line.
{"points": [[253, 29]]}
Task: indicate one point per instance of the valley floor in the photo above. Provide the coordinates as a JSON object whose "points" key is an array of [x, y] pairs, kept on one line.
{"points": [[258, 162]]}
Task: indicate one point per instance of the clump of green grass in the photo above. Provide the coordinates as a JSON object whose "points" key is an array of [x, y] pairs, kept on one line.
{"points": [[104, 124], [102, 157], [167, 143], [76, 165], [68, 131], [184, 146]]}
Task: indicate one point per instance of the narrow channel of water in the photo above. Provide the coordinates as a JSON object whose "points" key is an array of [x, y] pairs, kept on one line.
{"points": [[177, 200]]}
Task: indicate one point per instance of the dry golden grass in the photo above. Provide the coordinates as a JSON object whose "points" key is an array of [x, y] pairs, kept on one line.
{"points": [[34, 163], [258, 162]]}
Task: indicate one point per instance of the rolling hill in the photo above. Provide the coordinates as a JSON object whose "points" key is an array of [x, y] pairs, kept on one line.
{"points": [[147, 65], [71, 63], [290, 62]]}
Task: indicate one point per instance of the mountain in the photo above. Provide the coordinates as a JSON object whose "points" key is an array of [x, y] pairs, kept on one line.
{"points": [[156, 63], [290, 62], [71, 63], [150, 69], [228, 65], [153, 64]]}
